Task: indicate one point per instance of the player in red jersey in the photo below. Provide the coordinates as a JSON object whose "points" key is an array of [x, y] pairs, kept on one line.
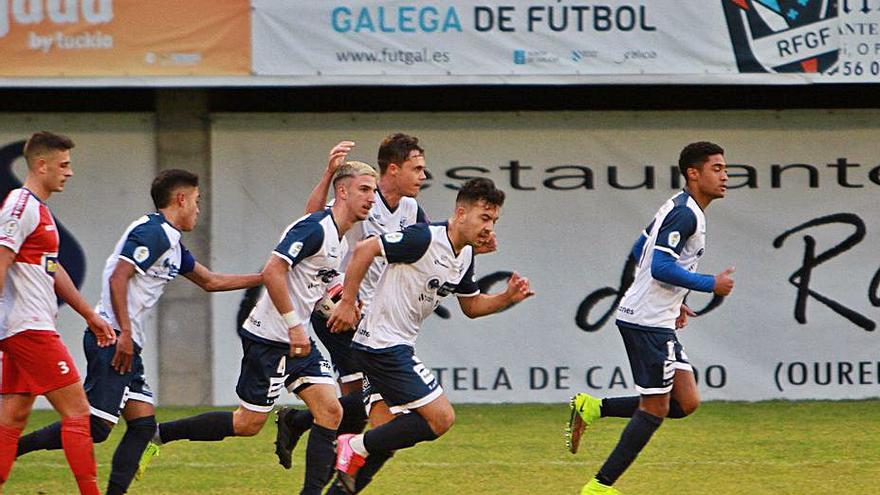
{"points": [[35, 361]]}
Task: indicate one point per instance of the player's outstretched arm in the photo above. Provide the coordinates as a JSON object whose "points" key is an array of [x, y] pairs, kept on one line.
{"points": [[216, 282], [518, 289], [346, 314], [118, 283], [318, 198], [66, 290]]}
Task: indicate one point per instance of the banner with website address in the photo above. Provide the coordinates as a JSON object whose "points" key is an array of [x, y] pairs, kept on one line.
{"points": [[644, 41], [99, 38]]}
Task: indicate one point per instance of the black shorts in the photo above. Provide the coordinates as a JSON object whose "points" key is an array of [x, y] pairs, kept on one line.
{"points": [[396, 376], [267, 368], [339, 347], [653, 357], [106, 389]]}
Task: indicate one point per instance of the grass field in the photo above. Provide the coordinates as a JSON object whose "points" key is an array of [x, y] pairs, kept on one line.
{"points": [[724, 449]]}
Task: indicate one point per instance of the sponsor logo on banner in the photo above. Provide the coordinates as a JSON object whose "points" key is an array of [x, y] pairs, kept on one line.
{"points": [[784, 36]]}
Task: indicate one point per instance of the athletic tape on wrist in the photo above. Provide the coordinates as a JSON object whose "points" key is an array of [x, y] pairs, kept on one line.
{"points": [[290, 319]]}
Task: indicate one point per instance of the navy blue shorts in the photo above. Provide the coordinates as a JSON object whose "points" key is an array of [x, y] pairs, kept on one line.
{"points": [[396, 376], [106, 389], [267, 368], [339, 347], [653, 357]]}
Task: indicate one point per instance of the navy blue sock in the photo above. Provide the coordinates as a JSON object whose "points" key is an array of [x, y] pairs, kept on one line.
{"points": [[365, 474], [49, 437], [633, 439], [403, 431], [625, 407], [138, 433], [300, 419], [354, 414], [207, 427], [320, 459]]}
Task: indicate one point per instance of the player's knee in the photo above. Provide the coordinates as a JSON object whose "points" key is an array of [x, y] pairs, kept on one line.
{"points": [[247, 425], [689, 405], [443, 422], [100, 428], [328, 414]]}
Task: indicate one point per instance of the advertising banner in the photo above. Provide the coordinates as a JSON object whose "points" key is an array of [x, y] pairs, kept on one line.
{"points": [[798, 223], [570, 41], [100, 38]]}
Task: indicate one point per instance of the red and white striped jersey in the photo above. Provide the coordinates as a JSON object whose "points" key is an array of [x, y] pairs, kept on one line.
{"points": [[28, 229]]}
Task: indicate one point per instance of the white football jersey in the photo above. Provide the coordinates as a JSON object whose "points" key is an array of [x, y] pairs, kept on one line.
{"points": [[679, 229], [153, 246], [313, 249], [422, 270], [381, 220], [28, 229]]}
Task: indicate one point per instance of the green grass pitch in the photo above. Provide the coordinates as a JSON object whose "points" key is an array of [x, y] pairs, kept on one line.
{"points": [[724, 449]]}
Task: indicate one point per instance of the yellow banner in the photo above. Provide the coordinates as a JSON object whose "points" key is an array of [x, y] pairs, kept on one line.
{"points": [[45, 38]]}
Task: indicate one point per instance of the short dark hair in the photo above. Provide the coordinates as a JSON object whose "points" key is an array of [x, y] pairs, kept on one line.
{"points": [[396, 148], [43, 141], [167, 181], [696, 154], [480, 189]]}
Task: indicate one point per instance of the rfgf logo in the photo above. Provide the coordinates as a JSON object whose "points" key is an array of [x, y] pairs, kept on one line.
{"points": [[784, 36]]}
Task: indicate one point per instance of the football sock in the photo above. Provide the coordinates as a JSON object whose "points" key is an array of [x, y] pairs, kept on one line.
{"points": [[76, 440], [299, 419], [207, 427], [8, 444], [633, 439], [403, 431], [49, 437], [128, 454], [365, 474], [320, 459], [354, 414], [625, 407]]}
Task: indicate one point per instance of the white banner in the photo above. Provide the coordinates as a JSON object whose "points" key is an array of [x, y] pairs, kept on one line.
{"points": [[569, 41], [799, 224]]}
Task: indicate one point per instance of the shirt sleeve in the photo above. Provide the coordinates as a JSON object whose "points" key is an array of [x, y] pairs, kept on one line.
{"points": [[302, 240], [406, 246], [187, 261], [468, 286], [421, 216], [18, 219], [678, 226], [636, 251], [144, 245], [666, 270]]}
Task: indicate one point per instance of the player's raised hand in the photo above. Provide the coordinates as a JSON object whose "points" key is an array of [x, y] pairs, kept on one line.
{"points": [[488, 246], [518, 288], [683, 314], [345, 316], [723, 282], [338, 154], [300, 345], [124, 351], [102, 330]]}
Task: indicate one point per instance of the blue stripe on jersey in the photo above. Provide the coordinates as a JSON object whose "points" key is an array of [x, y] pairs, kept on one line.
{"points": [[636, 250], [468, 285], [665, 269], [677, 227], [187, 261], [302, 240], [408, 245], [146, 242], [421, 216]]}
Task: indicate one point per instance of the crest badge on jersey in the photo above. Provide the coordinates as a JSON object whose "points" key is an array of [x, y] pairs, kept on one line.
{"points": [[674, 238], [295, 248], [784, 36], [394, 237], [141, 253], [10, 227]]}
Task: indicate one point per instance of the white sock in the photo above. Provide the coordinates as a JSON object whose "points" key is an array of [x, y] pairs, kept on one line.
{"points": [[357, 444], [157, 439]]}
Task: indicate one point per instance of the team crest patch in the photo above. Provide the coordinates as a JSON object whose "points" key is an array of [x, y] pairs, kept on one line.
{"points": [[394, 237], [10, 227], [674, 238], [141, 253], [295, 248]]}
